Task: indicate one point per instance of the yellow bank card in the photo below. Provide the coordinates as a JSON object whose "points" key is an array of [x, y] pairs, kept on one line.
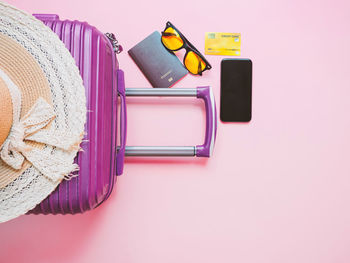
{"points": [[227, 44]]}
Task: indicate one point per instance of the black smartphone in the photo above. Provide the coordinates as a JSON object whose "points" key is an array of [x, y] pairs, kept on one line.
{"points": [[236, 90]]}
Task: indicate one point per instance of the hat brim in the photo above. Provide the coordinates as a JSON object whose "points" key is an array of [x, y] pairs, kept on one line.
{"points": [[68, 101], [26, 74]]}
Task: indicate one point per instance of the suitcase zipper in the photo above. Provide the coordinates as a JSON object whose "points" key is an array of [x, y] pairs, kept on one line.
{"points": [[117, 48]]}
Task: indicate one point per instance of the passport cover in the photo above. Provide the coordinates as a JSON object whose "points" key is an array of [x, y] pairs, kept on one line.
{"points": [[161, 67]]}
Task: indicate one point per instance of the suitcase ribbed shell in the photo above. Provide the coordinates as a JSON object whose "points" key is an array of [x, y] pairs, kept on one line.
{"points": [[98, 66]]}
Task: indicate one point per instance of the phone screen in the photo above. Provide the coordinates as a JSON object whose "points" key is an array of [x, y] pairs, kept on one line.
{"points": [[236, 90]]}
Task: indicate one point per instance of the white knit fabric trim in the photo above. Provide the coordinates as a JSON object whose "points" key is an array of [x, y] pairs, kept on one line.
{"points": [[16, 148], [69, 104]]}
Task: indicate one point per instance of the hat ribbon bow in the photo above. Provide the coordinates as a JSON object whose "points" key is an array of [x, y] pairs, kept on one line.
{"points": [[30, 128]]}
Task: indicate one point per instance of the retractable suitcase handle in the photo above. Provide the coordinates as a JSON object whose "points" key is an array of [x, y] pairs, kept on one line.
{"points": [[204, 150]]}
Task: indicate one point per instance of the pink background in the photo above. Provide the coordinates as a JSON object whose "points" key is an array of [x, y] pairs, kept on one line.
{"points": [[276, 189]]}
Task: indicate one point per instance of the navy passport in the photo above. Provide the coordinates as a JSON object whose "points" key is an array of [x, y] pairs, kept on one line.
{"points": [[161, 67]]}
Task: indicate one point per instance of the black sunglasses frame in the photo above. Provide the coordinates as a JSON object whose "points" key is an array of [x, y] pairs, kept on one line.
{"points": [[188, 46]]}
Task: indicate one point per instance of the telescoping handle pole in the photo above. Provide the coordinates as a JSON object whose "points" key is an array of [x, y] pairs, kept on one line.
{"points": [[204, 150]]}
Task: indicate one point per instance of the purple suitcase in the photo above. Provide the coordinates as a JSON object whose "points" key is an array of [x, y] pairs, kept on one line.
{"points": [[101, 160]]}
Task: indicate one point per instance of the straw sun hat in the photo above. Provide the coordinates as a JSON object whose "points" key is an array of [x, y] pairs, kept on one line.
{"points": [[42, 112]]}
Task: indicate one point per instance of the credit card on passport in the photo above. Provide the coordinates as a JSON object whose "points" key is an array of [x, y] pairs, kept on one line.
{"points": [[226, 44]]}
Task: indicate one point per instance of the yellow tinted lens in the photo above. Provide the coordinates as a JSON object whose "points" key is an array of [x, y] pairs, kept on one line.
{"points": [[194, 63], [173, 40]]}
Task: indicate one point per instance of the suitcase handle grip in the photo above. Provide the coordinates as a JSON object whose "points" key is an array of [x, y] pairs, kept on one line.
{"points": [[206, 149], [123, 122]]}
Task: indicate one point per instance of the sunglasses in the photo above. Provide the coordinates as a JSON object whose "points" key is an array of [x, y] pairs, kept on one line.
{"points": [[173, 40]]}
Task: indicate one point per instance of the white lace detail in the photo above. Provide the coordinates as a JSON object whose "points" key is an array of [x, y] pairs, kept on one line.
{"points": [[69, 105], [32, 188], [15, 148]]}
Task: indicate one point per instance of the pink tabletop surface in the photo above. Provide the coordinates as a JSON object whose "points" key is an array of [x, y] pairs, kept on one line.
{"points": [[276, 190]]}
